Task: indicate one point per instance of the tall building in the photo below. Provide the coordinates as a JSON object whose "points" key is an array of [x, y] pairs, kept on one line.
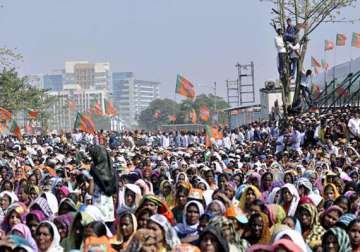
{"points": [[54, 82], [85, 75], [36, 80], [132, 96]]}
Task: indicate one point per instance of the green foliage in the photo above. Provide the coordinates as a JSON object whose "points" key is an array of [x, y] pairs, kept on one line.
{"points": [[17, 94], [8, 57], [182, 111]]}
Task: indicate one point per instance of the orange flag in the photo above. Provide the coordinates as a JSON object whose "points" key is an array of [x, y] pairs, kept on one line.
{"points": [[85, 123], [33, 114], [172, 118], [204, 113], [157, 114], [98, 109], [110, 109], [15, 129], [5, 114], [184, 87], [193, 116]]}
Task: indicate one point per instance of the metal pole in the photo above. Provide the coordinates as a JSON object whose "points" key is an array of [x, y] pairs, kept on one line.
{"points": [[215, 96]]}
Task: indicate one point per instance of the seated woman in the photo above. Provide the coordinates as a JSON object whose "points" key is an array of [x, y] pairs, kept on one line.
{"points": [[63, 224], [259, 232], [336, 239], [164, 233], [189, 227], [249, 194], [47, 237], [126, 229], [212, 240], [331, 215], [289, 199], [312, 231], [23, 231]]}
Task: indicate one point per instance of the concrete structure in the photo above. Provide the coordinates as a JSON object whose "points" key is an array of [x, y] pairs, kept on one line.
{"points": [[243, 115], [54, 82], [132, 96], [85, 75], [268, 97], [36, 80]]}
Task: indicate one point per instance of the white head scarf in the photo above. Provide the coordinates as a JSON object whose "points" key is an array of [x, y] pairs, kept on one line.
{"points": [[295, 201], [55, 244]]}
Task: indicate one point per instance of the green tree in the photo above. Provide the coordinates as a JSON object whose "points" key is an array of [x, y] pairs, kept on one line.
{"points": [[166, 107], [308, 16], [18, 95]]}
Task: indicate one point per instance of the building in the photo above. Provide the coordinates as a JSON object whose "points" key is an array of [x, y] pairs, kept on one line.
{"points": [[85, 75], [54, 82], [132, 96], [36, 80], [243, 115], [63, 117]]}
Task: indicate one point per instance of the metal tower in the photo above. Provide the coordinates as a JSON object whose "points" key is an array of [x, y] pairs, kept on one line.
{"points": [[242, 90]]}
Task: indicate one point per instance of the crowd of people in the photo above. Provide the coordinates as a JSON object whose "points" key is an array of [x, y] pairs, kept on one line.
{"points": [[268, 186]]}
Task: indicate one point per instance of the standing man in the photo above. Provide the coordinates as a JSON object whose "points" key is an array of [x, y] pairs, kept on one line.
{"points": [[290, 32], [305, 83], [294, 56], [280, 46]]}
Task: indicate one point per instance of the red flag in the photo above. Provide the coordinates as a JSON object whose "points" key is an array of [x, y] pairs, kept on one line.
{"points": [[193, 116], [315, 64], [184, 87], [110, 109], [5, 114], [329, 45], [15, 129], [97, 109], [157, 114], [172, 118], [33, 114], [204, 113]]}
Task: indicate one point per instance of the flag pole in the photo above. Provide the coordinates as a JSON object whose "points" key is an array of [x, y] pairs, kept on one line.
{"points": [[334, 62], [325, 62], [350, 59]]}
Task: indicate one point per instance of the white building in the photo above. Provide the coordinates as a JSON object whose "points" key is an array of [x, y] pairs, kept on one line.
{"points": [[36, 80], [132, 96], [85, 75]]}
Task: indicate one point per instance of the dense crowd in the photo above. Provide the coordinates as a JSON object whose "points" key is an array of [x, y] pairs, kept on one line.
{"points": [[268, 186]]}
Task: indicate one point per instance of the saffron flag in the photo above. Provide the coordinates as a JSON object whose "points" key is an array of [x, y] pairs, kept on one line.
{"points": [[157, 114], [5, 114], [204, 113], [315, 91], [212, 134], [355, 42], [184, 87], [110, 110], [340, 39], [72, 105], [98, 109], [15, 129], [85, 123], [315, 64], [33, 114], [28, 128], [324, 64], [329, 45], [193, 116], [172, 118], [341, 91]]}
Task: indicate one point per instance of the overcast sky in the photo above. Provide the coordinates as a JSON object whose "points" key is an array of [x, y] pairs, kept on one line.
{"points": [[155, 39]]}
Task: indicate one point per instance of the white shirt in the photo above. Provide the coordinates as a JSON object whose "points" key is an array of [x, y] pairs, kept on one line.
{"points": [[279, 44], [354, 126], [294, 48], [280, 146]]}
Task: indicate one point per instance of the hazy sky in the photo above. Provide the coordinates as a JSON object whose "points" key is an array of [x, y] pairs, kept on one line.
{"points": [[156, 39]]}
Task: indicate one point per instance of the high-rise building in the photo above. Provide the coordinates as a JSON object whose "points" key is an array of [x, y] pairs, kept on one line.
{"points": [[36, 80], [132, 96], [54, 82], [85, 75]]}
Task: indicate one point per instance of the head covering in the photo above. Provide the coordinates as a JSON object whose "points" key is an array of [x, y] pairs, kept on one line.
{"points": [[342, 239], [42, 205], [134, 223], [26, 234], [295, 236], [304, 182], [242, 202], [162, 206], [317, 231], [345, 219], [271, 198], [178, 176], [276, 213], [171, 237], [220, 204], [52, 202], [291, 209], [55, 244], [331, 209], [224, 247], [184, 228], [40, 216], [66, 220], [11, 195], [102, 170], [333, 187], [288, 244]]}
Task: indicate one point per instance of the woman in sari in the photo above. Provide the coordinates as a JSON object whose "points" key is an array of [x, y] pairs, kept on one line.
{"points": [[336, 239], [166, 193], [48, 238], [23, 231], [129, 199], [182, 193], [166, 237], [289, 199], [189, 226], [330, 192], [126, 229], [249, 194], [259, 229], [312, 231], [331, 215]]}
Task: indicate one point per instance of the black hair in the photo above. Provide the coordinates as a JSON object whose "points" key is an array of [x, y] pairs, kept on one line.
{"points": [[342, 199], [98, 227], [48, 226], [353, 222]]}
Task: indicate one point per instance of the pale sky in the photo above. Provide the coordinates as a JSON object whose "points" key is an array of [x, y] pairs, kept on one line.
{"points": [[156, 39]]}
